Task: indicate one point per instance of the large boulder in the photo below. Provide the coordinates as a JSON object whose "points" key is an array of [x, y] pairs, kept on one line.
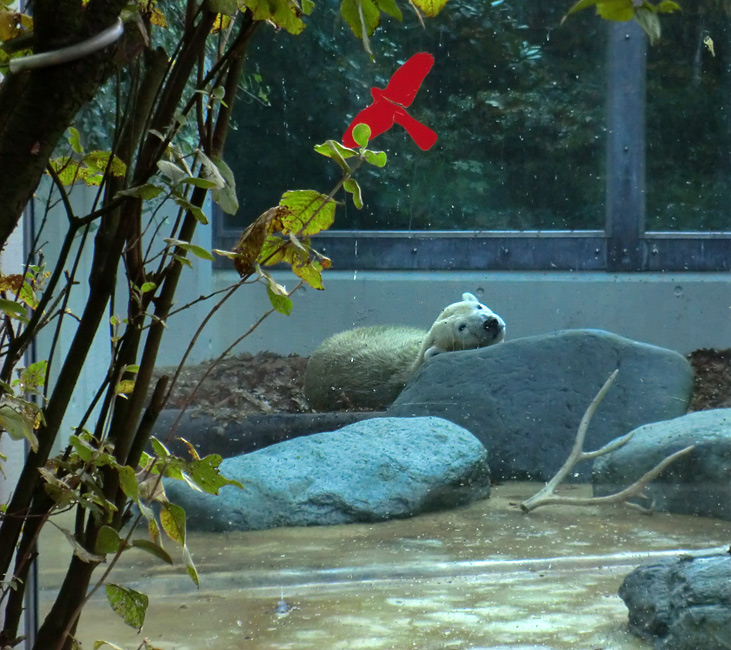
{"points": [[524, 399], [370, 471], [681, 604], [698, 483]]}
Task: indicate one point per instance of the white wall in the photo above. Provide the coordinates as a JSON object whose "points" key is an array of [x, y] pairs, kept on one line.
{"points": [[11, 261]]}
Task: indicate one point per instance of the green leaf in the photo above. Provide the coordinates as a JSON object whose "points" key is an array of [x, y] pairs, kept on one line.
{"points": [[375, 158], [18, 426], [108, 541], [311, 273], [131, 605], [190, 567], [146, 286], [154, 530], [581, 5], [80, 551], [206, 475], [34, 375], [351, 11], [225, 197], [307, 7], [184, 261], [281, 12], [197, 212], [209, 170], [650, 22], [101, 160], [27, 295], [362, 134], [145, 192], [351, 186], [174, 173], [13, 309], [196, 250], [172, 518], [668, 7], [331, 149], [153, 549], [74, 140], [128, 482], [159, 448], [84, 450], [146, 511], [389, 7], [617, 10], [101, 644], [228, 7], [66, 168], [282, 304], [203, 183]]}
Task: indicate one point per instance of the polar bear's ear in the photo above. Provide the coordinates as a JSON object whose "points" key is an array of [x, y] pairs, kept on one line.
{"points": [[468, 297]]}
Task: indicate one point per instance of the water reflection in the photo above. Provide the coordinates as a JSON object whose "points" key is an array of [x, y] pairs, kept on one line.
{"points": [[481, 576]]}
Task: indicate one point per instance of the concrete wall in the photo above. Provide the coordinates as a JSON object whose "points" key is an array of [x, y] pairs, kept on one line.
{"points": [[683, 312]]}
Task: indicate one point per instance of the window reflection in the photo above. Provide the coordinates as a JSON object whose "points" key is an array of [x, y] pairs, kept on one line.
{"points": [[689, 121], [517, 101]]}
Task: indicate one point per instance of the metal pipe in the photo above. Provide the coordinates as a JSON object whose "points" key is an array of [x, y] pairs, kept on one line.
{"points": [[70, 53]]}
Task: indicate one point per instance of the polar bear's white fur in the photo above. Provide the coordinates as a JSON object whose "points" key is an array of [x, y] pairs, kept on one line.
{"points": [[368, 367]]}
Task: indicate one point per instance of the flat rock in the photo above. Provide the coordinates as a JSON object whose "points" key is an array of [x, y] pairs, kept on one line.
{"points": [[681, 604], [370, 471], [698, 483], [524, 399]]}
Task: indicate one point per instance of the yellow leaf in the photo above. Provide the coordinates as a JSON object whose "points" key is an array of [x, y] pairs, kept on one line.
{"points": [[311, 273], [430, 7], [222, 22], [125, 387], [158, 18]]}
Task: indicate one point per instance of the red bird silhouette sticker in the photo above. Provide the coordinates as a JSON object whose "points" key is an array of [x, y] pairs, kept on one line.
{"points": [[389, 105]]}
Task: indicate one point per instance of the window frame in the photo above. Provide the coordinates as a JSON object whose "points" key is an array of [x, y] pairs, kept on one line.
{"points": [[623, 246]]}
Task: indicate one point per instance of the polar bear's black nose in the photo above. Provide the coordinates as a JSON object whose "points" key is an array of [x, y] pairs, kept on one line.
{"points": [[492, 325]]}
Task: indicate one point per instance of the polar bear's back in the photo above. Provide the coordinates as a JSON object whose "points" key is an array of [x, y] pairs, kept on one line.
{"points": [[364, 367]]}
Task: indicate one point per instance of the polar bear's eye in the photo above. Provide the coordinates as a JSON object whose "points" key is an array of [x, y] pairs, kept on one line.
{"points": [[462, 327]]}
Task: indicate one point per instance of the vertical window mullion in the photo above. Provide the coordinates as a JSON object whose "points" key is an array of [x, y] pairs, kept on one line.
{"points": [[626, 137]]}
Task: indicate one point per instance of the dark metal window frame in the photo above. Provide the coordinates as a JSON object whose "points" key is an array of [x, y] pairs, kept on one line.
{"points": [[624, 245]]}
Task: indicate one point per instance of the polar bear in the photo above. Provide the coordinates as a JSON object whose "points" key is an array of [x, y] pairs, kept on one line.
{"points": [[368, 367]]}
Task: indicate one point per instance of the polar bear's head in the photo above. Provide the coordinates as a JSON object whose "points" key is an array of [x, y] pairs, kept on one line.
{"points": [[463, 325]]}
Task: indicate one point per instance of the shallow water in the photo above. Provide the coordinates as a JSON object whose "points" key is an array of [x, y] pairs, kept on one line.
{"points": [[480, 576]]}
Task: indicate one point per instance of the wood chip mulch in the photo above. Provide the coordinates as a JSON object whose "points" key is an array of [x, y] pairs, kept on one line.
{"points": [[267, 382]]}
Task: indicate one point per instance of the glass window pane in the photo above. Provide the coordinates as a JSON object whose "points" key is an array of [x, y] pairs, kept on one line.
{"points": [[517, 102], [689, 121]]}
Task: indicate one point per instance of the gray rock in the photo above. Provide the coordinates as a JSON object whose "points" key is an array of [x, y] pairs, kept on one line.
{"points": [[698, 483], [681, 604], [370, 471], [524, 399]]}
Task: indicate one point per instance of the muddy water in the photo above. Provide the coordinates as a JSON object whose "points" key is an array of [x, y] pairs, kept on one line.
{"points": [[477, 577]]}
